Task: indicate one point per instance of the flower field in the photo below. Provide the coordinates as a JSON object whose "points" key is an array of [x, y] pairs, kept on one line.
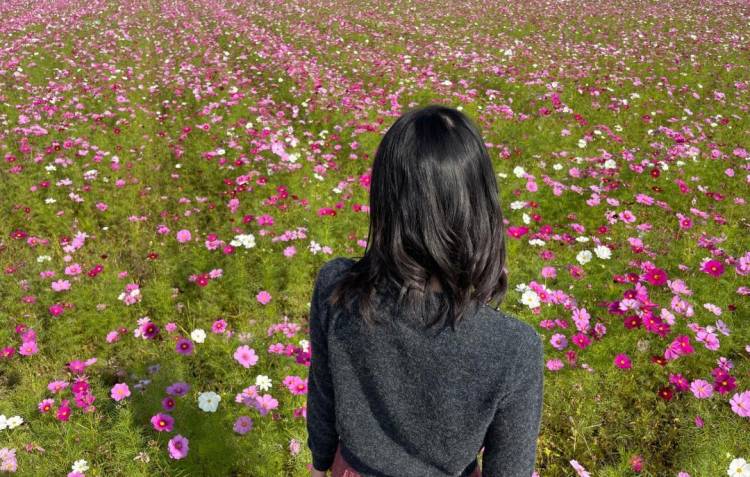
{"points": [[175, 172]]}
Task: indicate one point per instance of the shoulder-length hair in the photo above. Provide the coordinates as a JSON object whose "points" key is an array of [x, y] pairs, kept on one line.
{"points": [[434, 212]]}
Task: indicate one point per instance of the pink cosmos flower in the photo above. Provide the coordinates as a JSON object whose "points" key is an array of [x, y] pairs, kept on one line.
{"points": [[183, 236], [701, 389], [554, 364], [295, 446], [741, 404], [60, 285], [120, 391], [558, 341], [243, 425], [46, 405], [581, 340], [263, 297], [266, 403], [622, 361], [168, 403], [246, 356], [580, 470], [8, 461], [713, 267], [57, 386], [295, 385], [56, 309], [29, 348], [178, 447], [178, 389], [162, 422], [184, 346], [656, 276], [219, 326], [63, 412]]}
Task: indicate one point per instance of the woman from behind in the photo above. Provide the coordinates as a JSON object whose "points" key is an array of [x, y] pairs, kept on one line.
{"points": [[414, 369]]}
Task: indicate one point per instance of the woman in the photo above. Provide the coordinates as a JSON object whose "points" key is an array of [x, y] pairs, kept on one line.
{"points": [[412, 373]]}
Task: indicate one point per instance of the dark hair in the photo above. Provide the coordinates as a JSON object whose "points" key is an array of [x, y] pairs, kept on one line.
{"points": [[434, 211]]}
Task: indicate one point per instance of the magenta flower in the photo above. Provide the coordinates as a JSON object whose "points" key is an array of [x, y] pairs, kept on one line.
{"points": [[178, 447], [168, 403], [184, 346], [713, 267], [162, 422], [56, 309], [724, 382], [581, 340], [219, 326], [120, 391], [243, 424], [63, 412], [679, 382], [622, 361], [656, 276], [246, 356]]}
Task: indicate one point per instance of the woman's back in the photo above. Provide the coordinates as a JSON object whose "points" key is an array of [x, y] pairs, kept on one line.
{"points": [[413, 402]]}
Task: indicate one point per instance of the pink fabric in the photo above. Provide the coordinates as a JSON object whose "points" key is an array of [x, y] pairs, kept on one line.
{"points": [[341, 468]]}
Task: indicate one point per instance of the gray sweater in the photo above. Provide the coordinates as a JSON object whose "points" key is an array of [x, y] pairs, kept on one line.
{"points": [[402, 401]]}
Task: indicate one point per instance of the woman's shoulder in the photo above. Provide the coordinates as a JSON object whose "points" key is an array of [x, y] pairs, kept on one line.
{"points": [[332, 269], [510, 327]]}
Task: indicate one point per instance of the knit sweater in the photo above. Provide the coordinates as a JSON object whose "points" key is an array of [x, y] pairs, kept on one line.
{"points": [[404, 401]]}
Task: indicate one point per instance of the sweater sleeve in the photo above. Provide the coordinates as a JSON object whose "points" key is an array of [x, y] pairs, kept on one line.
{"points": [[321, 418], [511, 439]]}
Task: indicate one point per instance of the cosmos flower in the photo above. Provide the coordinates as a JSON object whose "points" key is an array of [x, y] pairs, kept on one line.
{"points": [[245, 356], [178, 447], [120, 391], [208, 401], [243, 425]]}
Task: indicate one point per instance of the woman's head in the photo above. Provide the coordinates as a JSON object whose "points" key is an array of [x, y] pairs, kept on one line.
{"points": [[434, 212]]}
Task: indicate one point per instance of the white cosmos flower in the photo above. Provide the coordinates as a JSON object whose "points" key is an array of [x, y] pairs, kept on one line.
{"points": [[208, 401], [519, 171], [3, 422], [537, 242], [198, 335], [305, 344], [243, 240], [517, 204], [582, 143], [603, 252], [739, 468], [582, 239], [263, 382], [530, 298], [526, 218], [14, 422], [80, 466], [584, 257]]}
